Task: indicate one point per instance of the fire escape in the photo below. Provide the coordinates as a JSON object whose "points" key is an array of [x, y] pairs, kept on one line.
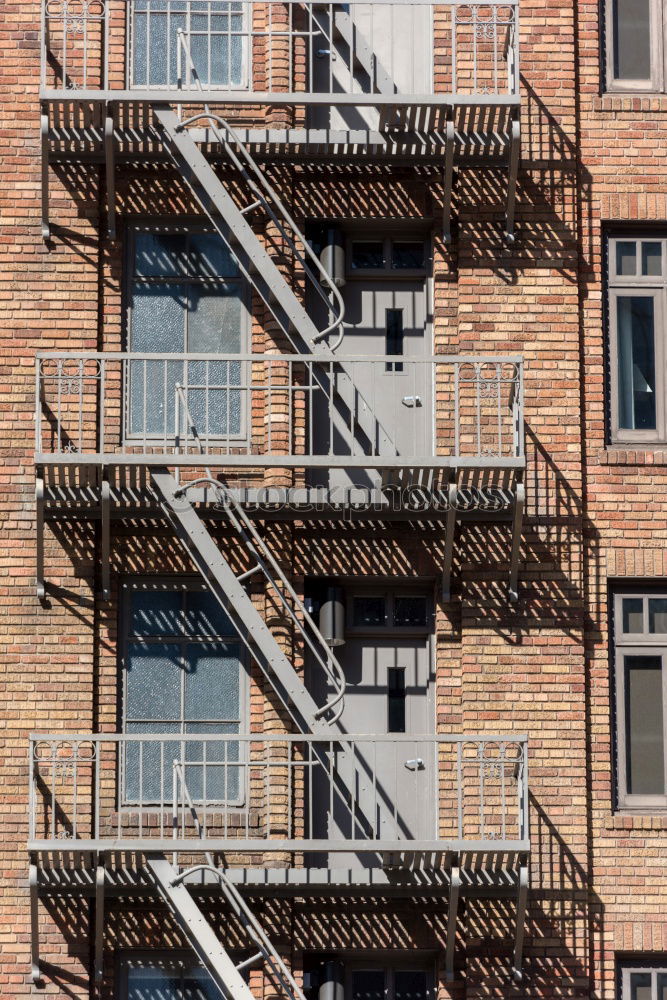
{"points": [[203, 97]]}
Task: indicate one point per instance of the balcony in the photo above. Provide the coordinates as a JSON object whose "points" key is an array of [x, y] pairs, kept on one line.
{"points": [[368, 800], [259, 411]]}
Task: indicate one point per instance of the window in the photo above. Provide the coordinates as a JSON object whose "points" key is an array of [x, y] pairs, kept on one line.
{"points": [[380, 611], [388, 256], [635, 48], [644, 982], [186, 296], [394, 338], [151, 977], [636, 307], [212, 31], [371, 981], [640, 622], [183, 674]]}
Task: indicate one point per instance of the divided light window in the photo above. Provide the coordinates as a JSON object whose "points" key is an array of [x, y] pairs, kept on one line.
{"points": [[186, 296], [183, 673], [637, 300], [640, 623], [153, 977], [635, 45], [644, 982]]}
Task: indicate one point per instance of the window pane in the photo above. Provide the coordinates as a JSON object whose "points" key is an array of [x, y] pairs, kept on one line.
{"points": [[159, 255], [153, 984], [158, 318], [367, 256], [396, 700], [632, 37], [410, 984], [156, 612], [626, 257], [640, 986], [368, 611], [214, 760], [644, 725], [368, 984], [153, 397], [657, 614], [410, 611], [662, 986], [214, 409], [636, 363], [652, 259], [394, 338], [406, 256], [211, 258], [149, 763], [633, 614], [212, 681], [214, 320], [153, 681], [205, 616]]}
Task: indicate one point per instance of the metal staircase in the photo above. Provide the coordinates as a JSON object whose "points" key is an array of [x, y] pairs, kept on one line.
{"points": [[230, 591]]}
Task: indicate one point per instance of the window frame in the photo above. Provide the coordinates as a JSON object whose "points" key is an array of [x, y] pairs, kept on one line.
{"points": [[655, 82], [185, 228], [635, 644], [168, 584], [171, 961], [389, 596], [638, 286], [387, 239], [627, 968], [390, 967]]}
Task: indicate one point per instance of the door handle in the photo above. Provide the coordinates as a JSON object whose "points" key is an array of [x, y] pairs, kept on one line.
{"points": [[412, 401], [417, 764]]}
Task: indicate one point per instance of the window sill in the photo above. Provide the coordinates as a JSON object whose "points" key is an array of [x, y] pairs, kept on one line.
{"points": [[651, 103], [628, 822], [629, 454]]}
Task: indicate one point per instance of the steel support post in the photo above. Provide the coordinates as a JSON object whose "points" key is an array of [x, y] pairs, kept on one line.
{"points": [[44, 132], [521, 904], [105, 509], [517, 523], [98, 969], [34, 923], [514, 155], [110, 171], [448, 183], [39, 546], [454, 897], [450, 527]]}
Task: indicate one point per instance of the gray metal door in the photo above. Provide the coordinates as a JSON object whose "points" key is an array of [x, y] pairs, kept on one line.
{"points": [[392, 782], [382, 317]]}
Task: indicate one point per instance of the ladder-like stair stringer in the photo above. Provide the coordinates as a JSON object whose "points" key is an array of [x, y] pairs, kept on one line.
{"points": [[224, 971], [356, 415]]}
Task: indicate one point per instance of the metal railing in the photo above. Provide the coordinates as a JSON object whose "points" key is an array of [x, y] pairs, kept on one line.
{"points": [[279, 410], [279, 792], [250, 49]]}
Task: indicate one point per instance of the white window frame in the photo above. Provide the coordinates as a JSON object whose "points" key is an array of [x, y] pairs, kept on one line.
{"points": [[655, 82], [628, 969], [169, 585], [649, 286], [636, 644]]}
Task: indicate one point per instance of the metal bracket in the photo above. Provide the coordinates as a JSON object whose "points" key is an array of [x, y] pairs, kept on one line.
{"points": [[521, 904], [105, 505], [39, 548], [517, 523], [98, 969], [454, 896], [448, 182], [110, 171], [34, 923], [450, 527], [44, 132], [514, 155]]}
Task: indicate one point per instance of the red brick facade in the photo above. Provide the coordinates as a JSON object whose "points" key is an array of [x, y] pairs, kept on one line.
{"points": [[595, 516]]}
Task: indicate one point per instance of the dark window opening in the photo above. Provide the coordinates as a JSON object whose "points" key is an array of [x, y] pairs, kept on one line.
{"points": [[368, 256], [396, 700], [407, 256], [394, 338]]}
